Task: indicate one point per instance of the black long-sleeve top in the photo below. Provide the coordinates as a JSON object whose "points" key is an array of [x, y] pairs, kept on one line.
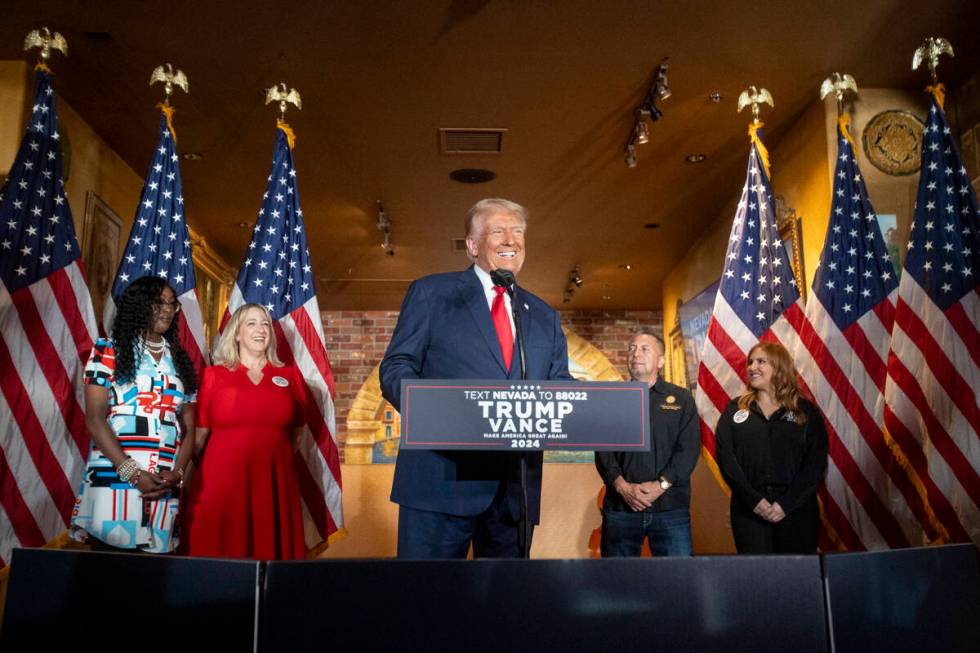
{"points": [[777, 459], [674, 450]]}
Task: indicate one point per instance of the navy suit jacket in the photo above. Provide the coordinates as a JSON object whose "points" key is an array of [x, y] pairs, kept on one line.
{"points": [[445, 331]]}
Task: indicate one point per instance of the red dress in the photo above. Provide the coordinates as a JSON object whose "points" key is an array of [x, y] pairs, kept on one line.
{"points": [[244, 501]]}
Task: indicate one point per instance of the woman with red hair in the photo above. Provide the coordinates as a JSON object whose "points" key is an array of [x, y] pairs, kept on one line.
{"points": [[771, 447]]}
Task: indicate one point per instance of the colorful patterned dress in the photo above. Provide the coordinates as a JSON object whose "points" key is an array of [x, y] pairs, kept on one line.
{"points": [[143, 415]]}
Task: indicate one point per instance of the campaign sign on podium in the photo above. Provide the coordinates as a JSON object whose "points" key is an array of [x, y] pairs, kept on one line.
{"points": [[525, 415]]}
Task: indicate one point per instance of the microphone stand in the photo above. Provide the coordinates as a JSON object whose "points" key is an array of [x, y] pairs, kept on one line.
{"points": [[506, 279]]}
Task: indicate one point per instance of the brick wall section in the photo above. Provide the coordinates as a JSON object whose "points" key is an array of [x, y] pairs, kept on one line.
{"points": [[611, 331], [356, 341]]}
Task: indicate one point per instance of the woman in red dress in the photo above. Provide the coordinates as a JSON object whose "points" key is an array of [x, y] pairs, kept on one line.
{"points": [[245, 501]]}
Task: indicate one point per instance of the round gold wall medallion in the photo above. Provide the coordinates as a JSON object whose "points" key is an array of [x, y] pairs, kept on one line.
{"points": [[893, 142]]}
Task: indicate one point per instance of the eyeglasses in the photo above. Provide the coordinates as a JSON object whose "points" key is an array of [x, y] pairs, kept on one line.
{"points": [[160, 305]]}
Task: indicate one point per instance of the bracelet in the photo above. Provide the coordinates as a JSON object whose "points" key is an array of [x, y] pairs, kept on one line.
{"points": [[127, 469], [134, 481]]}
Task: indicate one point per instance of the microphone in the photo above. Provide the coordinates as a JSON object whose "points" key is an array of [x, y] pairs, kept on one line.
{"points": [[505, 279]]}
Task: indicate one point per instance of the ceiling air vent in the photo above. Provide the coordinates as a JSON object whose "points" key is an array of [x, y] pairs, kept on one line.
{"points": [[471, 141]]}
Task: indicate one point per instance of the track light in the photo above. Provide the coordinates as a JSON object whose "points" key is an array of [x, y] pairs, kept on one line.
{"points": [[630, 156], [640, 135], [640, 129], [384, 226], [575, 281], [660, 81]]}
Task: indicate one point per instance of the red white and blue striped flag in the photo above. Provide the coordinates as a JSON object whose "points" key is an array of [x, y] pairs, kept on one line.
{"points": [[47, 328], [159, 243], [277, 273], [869, 500], [757, 298], [933, 368]]}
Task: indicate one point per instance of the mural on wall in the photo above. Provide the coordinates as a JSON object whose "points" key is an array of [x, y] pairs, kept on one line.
{"points": [[374, 427]]}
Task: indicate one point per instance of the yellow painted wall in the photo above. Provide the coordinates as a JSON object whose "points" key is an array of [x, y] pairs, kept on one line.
{"points": [[568, 512], [94, 165], [801, 174], [804, 161], [14, 95], [702, 265], [888, 193]]}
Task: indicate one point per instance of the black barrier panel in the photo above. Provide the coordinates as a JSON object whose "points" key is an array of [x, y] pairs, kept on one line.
{"points": [[906, 600], [699, 604], [82, 601]]}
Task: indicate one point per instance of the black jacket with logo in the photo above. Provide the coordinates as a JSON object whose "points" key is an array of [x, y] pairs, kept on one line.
{"points": [[778, 459], [675, 447]]}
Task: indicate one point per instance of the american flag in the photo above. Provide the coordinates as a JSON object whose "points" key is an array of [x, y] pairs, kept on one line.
{"points": [[47, 328], [276, 273], [757, 299], [869, 500], [160, 245], [934, 363]]}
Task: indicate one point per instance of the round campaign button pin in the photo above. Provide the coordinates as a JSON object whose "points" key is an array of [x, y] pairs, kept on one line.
{"points": [[279, 381], [671, 399], [740, 416]]}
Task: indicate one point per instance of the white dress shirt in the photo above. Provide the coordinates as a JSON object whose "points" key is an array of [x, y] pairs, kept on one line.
{"points": [[491, 294]]}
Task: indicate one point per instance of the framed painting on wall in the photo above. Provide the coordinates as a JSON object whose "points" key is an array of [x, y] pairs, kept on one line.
{"points": [[694, 317], [214, 279], [101, 238], [791, 233]]}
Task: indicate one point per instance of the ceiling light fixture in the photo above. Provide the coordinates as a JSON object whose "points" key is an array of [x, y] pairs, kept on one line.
{"points": [[193, 156], [640, 134], [575, 281], [715, 97], [472, 175], [695, 158], [641, 129], [384, 226], [625, 266], [630, 156]]}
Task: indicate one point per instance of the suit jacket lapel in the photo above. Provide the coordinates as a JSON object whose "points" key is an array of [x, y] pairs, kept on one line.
{"points": [[520, 306], [472, 292]]}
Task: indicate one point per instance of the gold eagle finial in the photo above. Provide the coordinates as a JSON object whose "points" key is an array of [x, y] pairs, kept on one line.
{"points": [[46, 40], [754, 97], [838, 84], [170, 77], [930, 50], [283, 95]]}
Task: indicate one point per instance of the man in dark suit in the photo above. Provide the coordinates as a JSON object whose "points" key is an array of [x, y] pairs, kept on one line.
{"points": [[458, 325]]}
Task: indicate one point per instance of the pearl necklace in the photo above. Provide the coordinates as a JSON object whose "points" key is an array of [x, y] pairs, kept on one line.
{"points": [[155, 347]]}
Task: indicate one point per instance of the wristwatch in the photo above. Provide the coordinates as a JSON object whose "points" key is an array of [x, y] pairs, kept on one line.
{"points": [[664, 483]]}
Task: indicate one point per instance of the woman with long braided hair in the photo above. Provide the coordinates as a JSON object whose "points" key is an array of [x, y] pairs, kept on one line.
{"points": [[139, 392]]}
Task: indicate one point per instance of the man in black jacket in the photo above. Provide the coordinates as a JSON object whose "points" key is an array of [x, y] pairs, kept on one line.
{"points": [[649, 494]]}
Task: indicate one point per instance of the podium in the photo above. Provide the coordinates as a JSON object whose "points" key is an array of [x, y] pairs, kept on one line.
{"points": [[527, 416]]}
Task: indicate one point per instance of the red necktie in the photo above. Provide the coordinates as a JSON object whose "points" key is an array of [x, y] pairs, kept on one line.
{"points": [[501, 321]]}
